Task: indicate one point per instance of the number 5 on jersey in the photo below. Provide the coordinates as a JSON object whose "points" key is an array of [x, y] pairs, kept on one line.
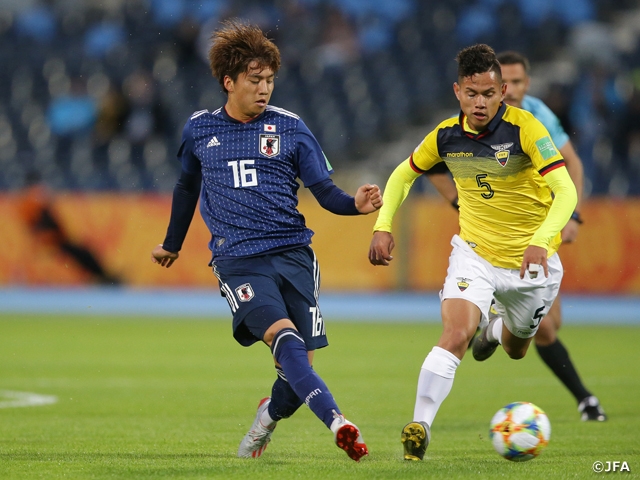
{"points": [[243, 176]]}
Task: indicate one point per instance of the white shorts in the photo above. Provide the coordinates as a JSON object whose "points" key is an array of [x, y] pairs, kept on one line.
{"points": [[522, 303]]}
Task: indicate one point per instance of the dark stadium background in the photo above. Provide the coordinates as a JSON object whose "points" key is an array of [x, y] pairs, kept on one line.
{"points": [[93, 97]]}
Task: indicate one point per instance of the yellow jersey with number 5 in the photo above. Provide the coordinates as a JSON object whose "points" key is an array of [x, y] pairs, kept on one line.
{"points": [[499, 173]]}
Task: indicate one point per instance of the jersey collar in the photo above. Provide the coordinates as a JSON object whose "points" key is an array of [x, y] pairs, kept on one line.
{"points": [[491, 126], [223, 110]]}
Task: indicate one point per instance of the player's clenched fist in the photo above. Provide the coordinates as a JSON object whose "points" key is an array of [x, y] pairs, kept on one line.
{"points": [[368, 198], [380, 249]]}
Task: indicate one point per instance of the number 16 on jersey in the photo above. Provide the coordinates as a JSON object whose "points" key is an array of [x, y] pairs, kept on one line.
{"points": [[243, 176]]}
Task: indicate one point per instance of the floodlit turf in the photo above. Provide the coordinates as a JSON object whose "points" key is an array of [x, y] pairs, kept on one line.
{"points": [[157, 398]]}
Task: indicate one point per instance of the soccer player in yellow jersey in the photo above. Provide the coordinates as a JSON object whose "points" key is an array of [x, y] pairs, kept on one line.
{"points": [[506, 168], [515, 73]]}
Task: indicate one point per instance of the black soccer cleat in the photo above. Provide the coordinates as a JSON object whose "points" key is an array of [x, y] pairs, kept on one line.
{"points": [[590, 410], [481, 347], [415, 439]]}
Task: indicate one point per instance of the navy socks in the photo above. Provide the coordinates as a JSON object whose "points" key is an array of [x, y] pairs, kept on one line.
{"points": [[290, 352], [284, 401]]}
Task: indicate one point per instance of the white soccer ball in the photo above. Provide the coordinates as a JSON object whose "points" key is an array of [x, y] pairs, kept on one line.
{"points": [[520, 431]]}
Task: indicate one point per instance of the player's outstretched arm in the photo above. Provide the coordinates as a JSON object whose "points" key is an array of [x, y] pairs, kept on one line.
{"points": [[397, 189], [380, 249], [368, 198], [183, 206], [162, 257]]}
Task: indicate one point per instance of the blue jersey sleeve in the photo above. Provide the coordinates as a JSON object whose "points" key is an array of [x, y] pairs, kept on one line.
{"points": [[313, 166], [332, 198], [549, 119], [190, 163], [185, 193]]}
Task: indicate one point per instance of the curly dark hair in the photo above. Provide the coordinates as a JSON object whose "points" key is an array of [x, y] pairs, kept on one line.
{"points": [[478, 58], [235, 46]]}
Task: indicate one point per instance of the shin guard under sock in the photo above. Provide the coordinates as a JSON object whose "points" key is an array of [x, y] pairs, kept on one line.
{"points": [[290, 351]]}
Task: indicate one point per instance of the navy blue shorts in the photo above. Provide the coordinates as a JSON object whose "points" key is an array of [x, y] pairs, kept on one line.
{"points": [[264, 289]]}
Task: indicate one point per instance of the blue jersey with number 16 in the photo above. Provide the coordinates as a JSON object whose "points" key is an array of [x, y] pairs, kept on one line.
{"points": [[249, 170]]}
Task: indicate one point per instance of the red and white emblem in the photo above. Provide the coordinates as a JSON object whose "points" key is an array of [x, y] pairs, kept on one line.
{"points": [[244, 292], [269, 145]]}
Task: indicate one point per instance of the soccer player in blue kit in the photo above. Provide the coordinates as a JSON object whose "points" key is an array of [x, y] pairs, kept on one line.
{"points": [[242, 160]]}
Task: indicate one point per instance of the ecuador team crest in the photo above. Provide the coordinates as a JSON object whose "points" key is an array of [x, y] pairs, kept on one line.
{"points": [[502, 152], [269, 145], [463, 283]]}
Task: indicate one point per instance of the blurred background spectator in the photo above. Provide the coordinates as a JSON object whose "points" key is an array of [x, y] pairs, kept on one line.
{"points": [[95, 94]]}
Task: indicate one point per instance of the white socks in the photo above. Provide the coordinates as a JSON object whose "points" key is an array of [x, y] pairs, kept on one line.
{"points": [[495, 332], [434, 383], [266, 420]]}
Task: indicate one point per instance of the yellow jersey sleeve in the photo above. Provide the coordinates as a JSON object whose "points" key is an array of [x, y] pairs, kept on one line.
{"points": [[546, 158], [426, 155], [537, 144], [396, 190], [401, 180], [565, 199]]}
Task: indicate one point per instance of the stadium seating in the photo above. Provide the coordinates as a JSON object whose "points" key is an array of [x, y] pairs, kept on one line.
{"points": [[96, 97]]}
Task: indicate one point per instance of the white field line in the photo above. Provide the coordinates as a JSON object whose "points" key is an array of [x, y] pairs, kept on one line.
{"points": [[10, 399]]}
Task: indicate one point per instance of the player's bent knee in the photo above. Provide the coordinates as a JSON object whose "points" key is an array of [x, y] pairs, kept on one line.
{"points": [[516, 352], [276, 327], [458, 336], [517, 355], [544, 338], [516, 347], [283, 337], [454, 342]]}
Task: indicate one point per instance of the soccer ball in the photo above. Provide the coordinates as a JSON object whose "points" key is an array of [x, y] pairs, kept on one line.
{"points": [[520, 431]]}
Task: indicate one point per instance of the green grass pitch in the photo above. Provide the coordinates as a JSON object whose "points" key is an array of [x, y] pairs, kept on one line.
{"points": [[158, 398]]}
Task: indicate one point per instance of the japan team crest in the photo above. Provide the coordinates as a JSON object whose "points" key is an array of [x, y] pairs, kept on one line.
{"points": [[502, 152], [269, 145], [244, 292]]}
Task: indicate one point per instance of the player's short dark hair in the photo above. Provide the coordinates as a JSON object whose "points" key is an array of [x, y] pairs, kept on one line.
{"points": [[235, 46], [511, 57], [476, 59]]}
